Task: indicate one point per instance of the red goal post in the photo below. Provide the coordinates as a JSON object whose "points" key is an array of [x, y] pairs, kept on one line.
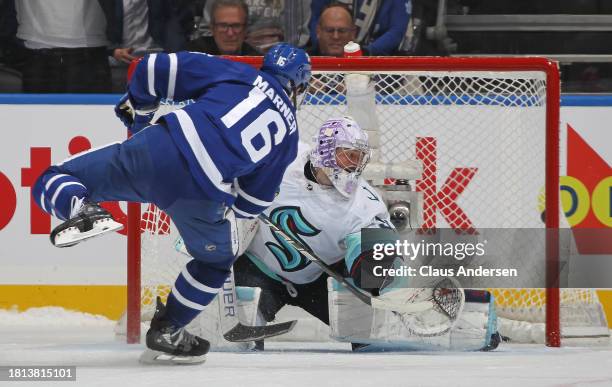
{"points": [[419, 72]]}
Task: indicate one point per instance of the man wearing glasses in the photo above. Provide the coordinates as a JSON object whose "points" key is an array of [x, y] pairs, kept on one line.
{"points": [[380, 25], [334, 30], [229, 26]]}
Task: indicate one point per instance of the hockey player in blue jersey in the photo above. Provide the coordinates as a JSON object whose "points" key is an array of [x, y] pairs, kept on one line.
{"points": [[221, 157]]}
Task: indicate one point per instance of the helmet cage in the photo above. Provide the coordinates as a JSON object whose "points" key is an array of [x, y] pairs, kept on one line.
{"points": [[336, 137]]}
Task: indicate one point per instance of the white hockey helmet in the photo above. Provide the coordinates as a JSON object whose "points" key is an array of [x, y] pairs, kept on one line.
{"points": [[342, 152]]}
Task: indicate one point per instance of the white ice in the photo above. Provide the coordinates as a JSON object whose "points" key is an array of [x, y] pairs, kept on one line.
{"points": [[53, 336]]}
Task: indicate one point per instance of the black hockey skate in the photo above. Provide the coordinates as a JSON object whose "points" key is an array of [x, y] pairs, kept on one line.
{"points": [[170, 345], [89, 220]]}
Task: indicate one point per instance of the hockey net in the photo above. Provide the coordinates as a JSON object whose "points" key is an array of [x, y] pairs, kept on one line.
{"points": [[486, 134]]}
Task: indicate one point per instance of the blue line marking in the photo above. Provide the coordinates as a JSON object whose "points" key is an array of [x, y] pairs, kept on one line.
{"points": [[111, 99], [59, 99]]}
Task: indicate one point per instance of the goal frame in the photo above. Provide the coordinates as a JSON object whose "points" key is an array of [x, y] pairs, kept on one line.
{"points": [[450, 64]]}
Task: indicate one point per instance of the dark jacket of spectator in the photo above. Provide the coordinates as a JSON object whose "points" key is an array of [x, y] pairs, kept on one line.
{"points": [[8, 19], [8, 28], [207, 44], [386, 32], [170, 22], [313, 51], [10, 53]]}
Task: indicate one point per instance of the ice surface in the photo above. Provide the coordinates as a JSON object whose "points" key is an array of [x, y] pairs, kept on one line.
{"points": [[53, 336]]}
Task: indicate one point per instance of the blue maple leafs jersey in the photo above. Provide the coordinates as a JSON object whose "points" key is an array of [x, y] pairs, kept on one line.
{"points": [[238, 136]]}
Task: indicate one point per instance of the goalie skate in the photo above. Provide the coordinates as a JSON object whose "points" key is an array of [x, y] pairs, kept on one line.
{"points": [[91, 220], [170, 345]]}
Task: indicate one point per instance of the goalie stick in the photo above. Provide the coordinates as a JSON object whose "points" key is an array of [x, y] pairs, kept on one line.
{"points": [[437, 301], [244, 333]]}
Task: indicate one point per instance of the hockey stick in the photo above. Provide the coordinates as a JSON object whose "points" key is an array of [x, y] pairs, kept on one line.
{"points": [[240, 332], [374, 302]]}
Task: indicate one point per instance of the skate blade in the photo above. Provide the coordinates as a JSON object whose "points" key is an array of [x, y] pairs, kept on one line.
{"points": [[71, 236], [156, 357]]}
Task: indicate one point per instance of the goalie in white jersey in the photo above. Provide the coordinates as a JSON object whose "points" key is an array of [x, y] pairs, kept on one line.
{"points": [[323, 203]]}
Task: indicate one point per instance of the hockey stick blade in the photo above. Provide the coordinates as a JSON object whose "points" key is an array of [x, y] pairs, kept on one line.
{"points": [[245, 333]]}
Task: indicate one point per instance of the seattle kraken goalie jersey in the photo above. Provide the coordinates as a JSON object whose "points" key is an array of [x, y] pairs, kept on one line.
{"points": [[239, 134], [318, 216]]}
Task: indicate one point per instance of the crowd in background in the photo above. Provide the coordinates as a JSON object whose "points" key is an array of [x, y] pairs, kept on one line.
{"points": [[85, 46]]}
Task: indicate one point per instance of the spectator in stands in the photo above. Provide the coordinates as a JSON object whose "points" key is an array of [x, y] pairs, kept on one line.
{"points": [[10, 78], [294, 19], [293, 16], [381, 24], [64, 46], [139, 27], [265, 33], [229, 26], [334, 29]]}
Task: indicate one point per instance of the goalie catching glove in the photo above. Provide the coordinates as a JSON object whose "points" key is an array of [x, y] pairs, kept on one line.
{"points": [[134, 120]]}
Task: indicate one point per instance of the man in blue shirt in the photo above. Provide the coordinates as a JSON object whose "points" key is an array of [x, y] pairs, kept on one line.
{"points": [[381, 24]]}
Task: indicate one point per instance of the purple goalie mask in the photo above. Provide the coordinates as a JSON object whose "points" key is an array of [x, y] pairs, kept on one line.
{"points": [[342, 152]]}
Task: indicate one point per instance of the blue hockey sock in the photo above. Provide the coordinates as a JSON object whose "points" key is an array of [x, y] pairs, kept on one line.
{"points": [[57, 193], [195, 287]]}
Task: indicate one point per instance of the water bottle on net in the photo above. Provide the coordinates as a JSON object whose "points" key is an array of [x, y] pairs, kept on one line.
{"points": [[361, 99]]}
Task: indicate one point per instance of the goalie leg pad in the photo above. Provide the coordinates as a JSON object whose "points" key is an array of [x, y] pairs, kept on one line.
{"points": [[352, 321], [273, 293]]}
